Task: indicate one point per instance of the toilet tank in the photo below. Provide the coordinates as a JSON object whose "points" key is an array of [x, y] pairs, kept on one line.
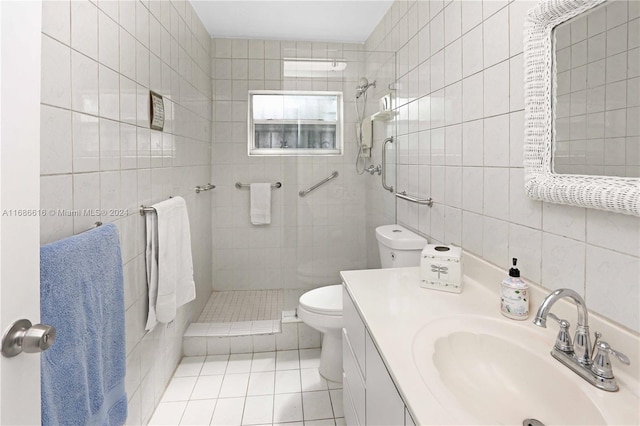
{"points": [[398, 246]]}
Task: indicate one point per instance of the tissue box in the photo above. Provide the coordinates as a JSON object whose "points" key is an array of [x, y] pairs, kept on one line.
{"points": [[441, 268]]}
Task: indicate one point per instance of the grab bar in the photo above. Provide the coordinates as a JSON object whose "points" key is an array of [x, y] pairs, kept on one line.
{"points": [[246, 185], [322, 182], [384, 164], [404, 196]]}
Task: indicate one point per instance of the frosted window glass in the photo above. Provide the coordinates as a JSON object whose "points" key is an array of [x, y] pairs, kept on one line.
{"points": [[289, 123]]}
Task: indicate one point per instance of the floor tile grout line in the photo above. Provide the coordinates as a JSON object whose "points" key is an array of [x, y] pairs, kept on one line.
{"points": [[273, 394], [301, 389]]}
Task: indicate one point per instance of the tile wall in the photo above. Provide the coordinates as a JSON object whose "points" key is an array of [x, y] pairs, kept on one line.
{"points": [[460, 140], [598, 92], [99, 59], [309, 239]]}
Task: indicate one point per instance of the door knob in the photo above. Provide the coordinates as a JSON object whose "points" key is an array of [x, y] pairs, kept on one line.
{"points": [[22, 336]]}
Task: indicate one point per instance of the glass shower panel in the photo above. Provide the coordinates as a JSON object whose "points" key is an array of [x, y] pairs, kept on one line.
{"points": [[310, 239]]}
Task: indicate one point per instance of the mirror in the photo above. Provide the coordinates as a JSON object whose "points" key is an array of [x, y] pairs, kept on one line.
{"points": [[581, 127], [597, 102]]}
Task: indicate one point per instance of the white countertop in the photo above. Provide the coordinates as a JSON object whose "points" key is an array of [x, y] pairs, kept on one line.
{"points": [[395, 308]]}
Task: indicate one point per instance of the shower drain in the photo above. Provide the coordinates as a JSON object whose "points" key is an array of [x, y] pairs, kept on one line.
{"points": [[532, 422]]}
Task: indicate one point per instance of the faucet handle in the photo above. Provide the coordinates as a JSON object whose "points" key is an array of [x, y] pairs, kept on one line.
{"points": [[563, 339], [601, 364], [561, 322], [622, 357]]}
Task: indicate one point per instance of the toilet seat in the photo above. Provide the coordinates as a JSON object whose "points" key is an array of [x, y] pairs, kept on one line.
{"points": [[324, 300]]}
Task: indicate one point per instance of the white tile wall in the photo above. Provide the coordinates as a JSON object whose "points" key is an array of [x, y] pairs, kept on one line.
{"points": [[309, 239], [483, 207], [99, 61]]}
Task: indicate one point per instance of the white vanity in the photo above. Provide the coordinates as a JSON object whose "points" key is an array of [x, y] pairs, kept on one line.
{"points": [[417, 356]]}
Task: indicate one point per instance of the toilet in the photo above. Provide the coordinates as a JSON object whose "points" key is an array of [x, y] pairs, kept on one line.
{"points": [[321, 308]]}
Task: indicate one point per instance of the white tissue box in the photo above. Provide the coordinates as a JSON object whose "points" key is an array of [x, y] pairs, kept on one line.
{"points": [[441, 268]]}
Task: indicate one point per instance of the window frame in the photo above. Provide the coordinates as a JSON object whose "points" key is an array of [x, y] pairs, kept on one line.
{"points": [[338, 151]]}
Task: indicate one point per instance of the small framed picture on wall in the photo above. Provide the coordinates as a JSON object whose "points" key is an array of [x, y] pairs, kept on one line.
{"points": [[156, 111]]}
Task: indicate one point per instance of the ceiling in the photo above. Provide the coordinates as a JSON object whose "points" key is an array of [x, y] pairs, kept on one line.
{"points": [[301, 20]]}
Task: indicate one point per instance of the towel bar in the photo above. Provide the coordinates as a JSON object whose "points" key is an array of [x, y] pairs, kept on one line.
{"points": [[147, 209], [207, 187], [144, 209], [246, 185], [94, 226]]}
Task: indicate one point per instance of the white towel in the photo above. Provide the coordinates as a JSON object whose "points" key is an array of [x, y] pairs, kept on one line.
{"points": [[260, 203], [169, 261]]}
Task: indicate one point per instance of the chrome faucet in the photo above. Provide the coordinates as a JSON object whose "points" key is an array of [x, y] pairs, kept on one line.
{"points": [[374, 169], [577, 356], [582, 340]]}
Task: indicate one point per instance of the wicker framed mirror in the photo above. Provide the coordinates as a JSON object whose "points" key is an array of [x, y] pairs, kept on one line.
{"points": [[612, 193]]}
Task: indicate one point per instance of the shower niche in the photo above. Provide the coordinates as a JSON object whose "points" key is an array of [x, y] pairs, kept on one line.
{"points": [[295, 123]]}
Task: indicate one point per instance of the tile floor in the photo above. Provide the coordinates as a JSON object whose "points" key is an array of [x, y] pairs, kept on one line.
{"points": [[249, 305], [263, 388]]}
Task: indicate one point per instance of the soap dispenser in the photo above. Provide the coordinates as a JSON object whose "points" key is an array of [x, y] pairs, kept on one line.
{"points": [[514, 295]]}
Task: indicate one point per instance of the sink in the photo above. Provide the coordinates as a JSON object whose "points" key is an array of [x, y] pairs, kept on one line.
{"points": [[487, 370]]}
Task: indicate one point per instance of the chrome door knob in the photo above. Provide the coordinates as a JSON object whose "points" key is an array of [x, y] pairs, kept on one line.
{"points": [[38, 338], [22, 336]]}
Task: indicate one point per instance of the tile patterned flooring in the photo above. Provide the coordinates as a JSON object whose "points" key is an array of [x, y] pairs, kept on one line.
{"points": [[263, 388], [249, 305]]}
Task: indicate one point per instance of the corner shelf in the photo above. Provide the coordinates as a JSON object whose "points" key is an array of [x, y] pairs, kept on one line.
{"points": [[383, 116]]}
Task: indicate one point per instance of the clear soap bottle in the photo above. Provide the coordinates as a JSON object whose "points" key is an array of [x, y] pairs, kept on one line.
{"points": [[514, 295]]}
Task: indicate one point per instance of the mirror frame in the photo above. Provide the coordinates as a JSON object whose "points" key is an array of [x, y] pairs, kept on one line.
{"points": [[617, 194]]}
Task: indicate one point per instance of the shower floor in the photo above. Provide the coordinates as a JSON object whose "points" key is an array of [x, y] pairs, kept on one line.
{"points": [[249, 305], [245, 321]]}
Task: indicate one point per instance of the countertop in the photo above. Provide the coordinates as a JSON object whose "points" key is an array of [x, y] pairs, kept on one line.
{"points": [[395, 308]]}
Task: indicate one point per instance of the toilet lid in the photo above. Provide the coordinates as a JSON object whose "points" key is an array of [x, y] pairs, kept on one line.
{"points": [[324, 300]]}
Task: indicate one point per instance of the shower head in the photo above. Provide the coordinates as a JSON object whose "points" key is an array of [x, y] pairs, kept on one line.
{"points": [[363, 86]]}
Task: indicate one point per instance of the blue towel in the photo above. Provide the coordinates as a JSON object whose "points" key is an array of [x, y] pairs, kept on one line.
{"points": [[82, 296]]}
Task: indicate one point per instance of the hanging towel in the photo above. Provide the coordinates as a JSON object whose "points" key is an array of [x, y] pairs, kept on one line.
{"points": [[260, 203], [82, 296], [169, 261]]}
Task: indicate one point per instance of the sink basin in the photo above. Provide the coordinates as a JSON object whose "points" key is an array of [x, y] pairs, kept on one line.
{"points": [[492, 371]]}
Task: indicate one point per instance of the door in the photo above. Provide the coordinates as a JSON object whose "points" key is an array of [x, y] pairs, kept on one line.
{"points": [[20, 27]]}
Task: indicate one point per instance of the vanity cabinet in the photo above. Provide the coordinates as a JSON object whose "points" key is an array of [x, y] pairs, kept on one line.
{"points": [[383, 403], [353, 363], [408, 420], [370, 396]]}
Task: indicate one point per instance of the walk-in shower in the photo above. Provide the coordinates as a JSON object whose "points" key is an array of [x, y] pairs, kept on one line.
{"points": [[259, 272]]}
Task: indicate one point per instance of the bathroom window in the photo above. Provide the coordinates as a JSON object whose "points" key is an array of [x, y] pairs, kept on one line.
{"points": [[295, 123]]}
